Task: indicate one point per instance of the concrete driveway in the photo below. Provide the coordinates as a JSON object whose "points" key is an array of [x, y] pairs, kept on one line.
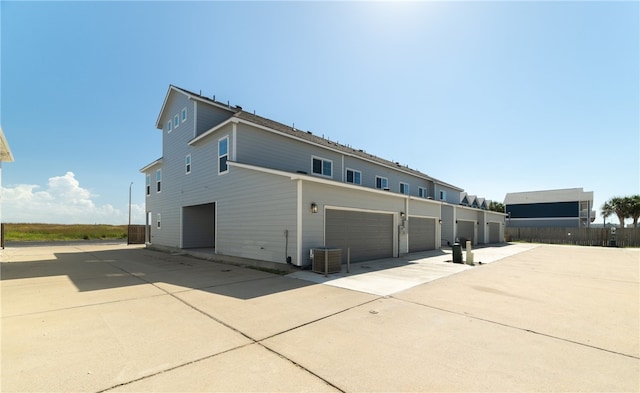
{"points": [[110, 317]]}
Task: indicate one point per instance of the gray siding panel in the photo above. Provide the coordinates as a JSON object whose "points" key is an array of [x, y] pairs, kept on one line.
{"points": [[254, 210], [267, 149], [209, 117], [448, 225]]}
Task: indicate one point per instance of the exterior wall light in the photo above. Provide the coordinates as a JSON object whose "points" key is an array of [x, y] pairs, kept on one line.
{"points": [[440, 221], [314, 207], [402, 215]]}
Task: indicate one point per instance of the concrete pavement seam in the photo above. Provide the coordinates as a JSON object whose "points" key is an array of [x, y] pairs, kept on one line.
{"points": [[520, 328], [175, 367], [301, 367], [81, 306], [253, 341]]}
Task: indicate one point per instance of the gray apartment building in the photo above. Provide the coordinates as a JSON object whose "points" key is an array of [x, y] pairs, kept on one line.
{"points": [[250, 187]]}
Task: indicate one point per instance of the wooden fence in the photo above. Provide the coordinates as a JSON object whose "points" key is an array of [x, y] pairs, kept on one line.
{"points": [[624, 237], [136, 234]]}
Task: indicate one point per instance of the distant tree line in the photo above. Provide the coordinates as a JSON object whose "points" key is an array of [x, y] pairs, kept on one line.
{"points": [[496, 207], [623, 207]]}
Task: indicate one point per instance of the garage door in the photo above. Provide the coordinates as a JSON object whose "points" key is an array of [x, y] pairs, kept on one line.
{"points": [[368, 235], [466, 230], [422, 234], [494, 232]]}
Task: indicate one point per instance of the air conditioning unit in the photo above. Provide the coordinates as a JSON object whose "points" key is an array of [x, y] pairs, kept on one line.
{"points": [[331, 256]]}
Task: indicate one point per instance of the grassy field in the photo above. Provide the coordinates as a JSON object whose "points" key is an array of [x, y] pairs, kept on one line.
{"points": [[52, 232]]}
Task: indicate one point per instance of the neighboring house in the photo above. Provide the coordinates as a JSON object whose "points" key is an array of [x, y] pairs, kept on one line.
{"points": [[571, 208], [5, 156], [254, 188]]}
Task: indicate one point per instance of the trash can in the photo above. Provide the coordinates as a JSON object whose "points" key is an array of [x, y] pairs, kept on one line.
{"points": [[457, 253]]}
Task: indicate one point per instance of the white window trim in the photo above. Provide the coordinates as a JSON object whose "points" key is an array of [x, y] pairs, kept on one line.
{"points": [[176, 124], [406, 188], [183, 115], [422, 192], [169, 126], [385, 180], [187, 164], [443, 195], [322, 160], [354, 176], [158, 181], [222, 155], [147, 184], [158, 221]]}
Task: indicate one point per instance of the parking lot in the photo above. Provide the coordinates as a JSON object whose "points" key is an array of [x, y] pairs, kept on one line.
{"points": [[110, 317]]}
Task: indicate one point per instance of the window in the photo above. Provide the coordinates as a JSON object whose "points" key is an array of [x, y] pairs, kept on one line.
{"points": [[158, 180], [176, 121], [382, 183], [422, 192], [404, 188], [148, 184], [187, 164], [443, 195], [169, 126], [322, 167], [184, 114], [354, 177], [158, 221], [223, 155]]}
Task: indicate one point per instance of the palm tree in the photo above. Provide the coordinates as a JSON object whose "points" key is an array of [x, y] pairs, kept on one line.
{"points": [[496, 207], [618, 206], [634, 209]]}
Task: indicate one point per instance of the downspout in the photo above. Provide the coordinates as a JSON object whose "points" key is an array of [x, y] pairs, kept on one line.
{"points": [[299, 225]]}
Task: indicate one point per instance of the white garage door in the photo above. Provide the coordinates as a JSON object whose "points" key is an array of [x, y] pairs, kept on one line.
{"points": [[368, 235], [494, 232], [466, 231], [422, 234]]}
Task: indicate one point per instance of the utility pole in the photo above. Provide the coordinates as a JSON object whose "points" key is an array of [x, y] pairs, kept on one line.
{"points": [[130, 203]]}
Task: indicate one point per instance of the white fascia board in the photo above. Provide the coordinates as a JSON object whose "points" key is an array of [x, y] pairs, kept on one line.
{"points": [[164, 103], [190, 96], [440, 182], [5, 150], [545, 219], [212, 130], [392, 167], [432, 201], [149, 166]]}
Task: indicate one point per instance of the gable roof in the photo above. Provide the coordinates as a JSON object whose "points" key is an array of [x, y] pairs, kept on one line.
{"points": [[192, 96], [5, 151], [252, 118]]}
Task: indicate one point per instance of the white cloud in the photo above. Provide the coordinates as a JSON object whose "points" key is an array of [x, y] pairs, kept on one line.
{"points": [[64, 201]]}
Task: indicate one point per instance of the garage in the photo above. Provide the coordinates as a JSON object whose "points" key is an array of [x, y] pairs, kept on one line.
{"points": [[494, 232], [466, 231], [368, 235], [422, 234]]}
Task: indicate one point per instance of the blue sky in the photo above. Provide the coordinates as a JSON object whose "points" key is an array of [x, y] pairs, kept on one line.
{"points": [[493, 97]]}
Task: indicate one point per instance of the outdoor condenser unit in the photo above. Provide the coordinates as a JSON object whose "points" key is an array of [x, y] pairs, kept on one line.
{"points": [[332, 256]]}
